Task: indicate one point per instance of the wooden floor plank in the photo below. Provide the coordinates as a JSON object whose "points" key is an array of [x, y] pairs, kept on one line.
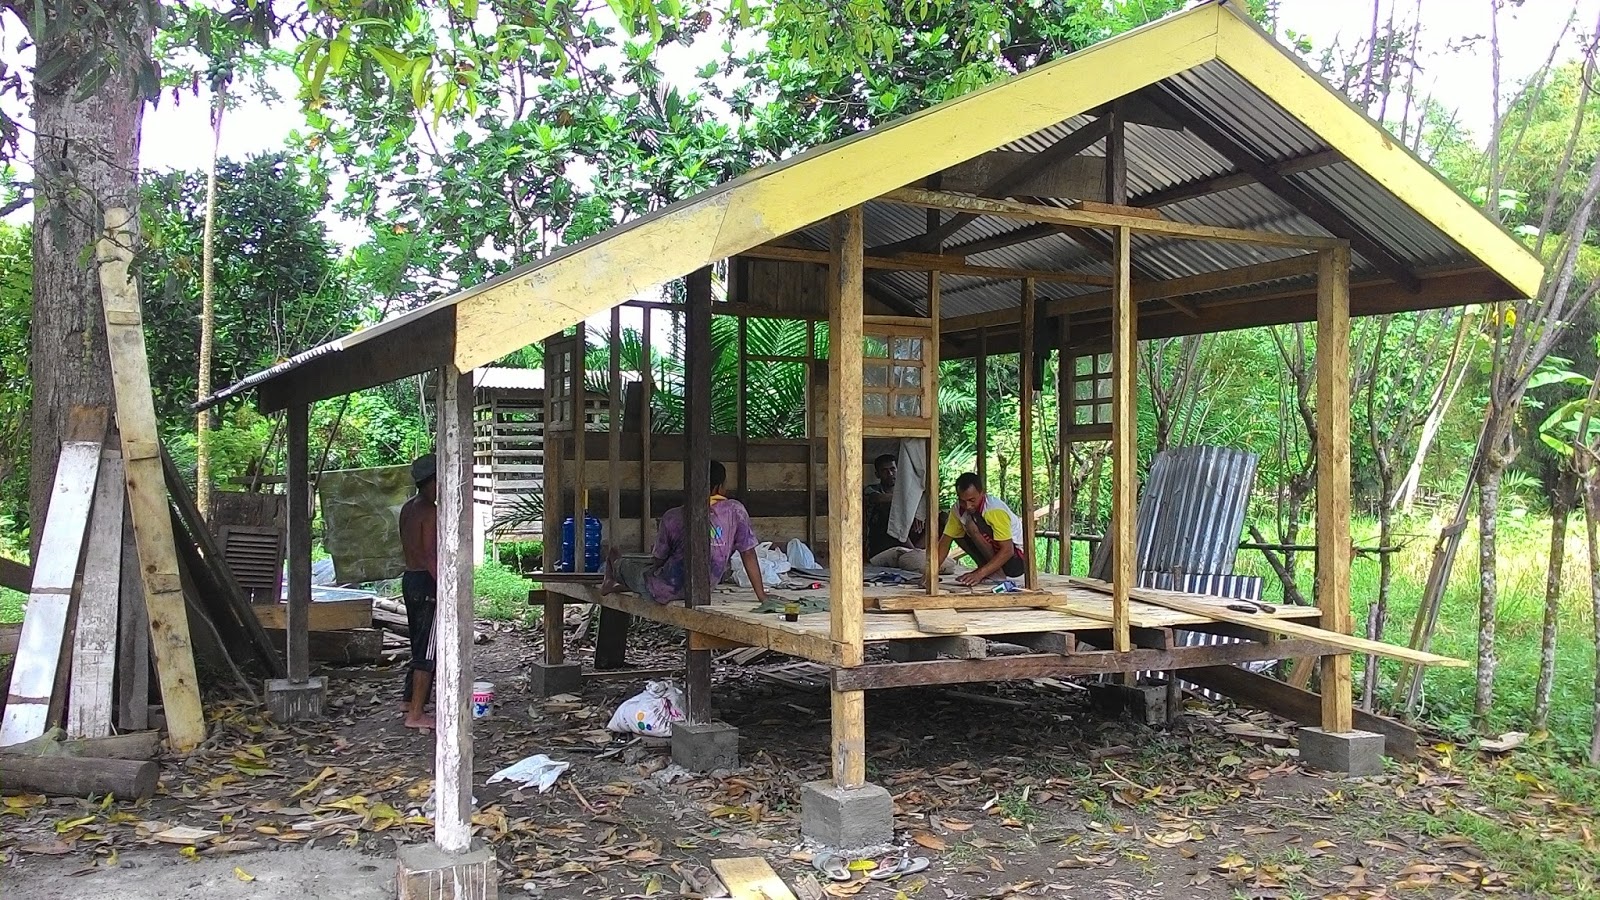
{"points": [[751, 878], [938, 621]]}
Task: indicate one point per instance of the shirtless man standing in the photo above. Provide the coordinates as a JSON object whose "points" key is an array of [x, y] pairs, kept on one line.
{"points": [[419, 540]]}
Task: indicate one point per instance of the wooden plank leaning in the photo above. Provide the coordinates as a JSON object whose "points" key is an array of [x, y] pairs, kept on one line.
{"points": [[147, 496], [61, 542], [94, 641]]}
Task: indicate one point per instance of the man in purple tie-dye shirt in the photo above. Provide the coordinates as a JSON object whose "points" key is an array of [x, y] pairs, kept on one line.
{"points": [[660, 576]]}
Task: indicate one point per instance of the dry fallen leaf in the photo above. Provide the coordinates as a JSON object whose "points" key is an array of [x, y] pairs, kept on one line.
{"points": [[930, 840], [242, 875]]}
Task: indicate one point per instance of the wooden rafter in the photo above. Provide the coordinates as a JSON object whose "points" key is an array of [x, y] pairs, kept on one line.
{"points": [[919, 262], [1318, 210], [1216, 184], [1066, 148]]}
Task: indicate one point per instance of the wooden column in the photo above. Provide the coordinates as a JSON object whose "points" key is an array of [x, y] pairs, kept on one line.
{"points": [[1025, 373], [614, 432], [452, 778], [297, 487], [1116, 156], [846, 307], [930, 468], [741, 431], [1064, 388], [697, 480], [981, 384], [580, 431], [812, 419], [1124, 437], [550, 444], [1333, 477], [647, 378]]}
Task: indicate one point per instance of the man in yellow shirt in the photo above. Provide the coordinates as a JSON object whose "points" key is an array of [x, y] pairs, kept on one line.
{"points": [[986, 530]]}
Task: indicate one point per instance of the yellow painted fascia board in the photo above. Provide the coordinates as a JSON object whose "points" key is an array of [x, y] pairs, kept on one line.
{"points": [[523, 306], [1242, 47]]}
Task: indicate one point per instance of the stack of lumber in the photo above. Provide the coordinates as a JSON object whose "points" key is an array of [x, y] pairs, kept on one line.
{"points": [[341, 626], [121, 765]]}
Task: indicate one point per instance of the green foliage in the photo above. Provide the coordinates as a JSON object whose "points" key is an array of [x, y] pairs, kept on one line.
{"points": [[501, 594], [16, 385]]}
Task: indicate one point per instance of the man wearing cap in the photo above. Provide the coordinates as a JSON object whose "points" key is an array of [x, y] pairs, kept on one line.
{"points": [[419, 541]]}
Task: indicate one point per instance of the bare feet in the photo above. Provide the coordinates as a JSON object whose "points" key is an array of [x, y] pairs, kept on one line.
{"points": [[422, 721], [608, 581]]}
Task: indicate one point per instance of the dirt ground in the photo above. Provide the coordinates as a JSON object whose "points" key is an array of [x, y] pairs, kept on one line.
{"points": [[1018, 790]]}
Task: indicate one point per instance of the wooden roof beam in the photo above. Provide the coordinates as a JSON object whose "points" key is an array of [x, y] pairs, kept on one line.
{"points": [[1066, 148], [927, 262], [1324, 214], [1190, 190]]}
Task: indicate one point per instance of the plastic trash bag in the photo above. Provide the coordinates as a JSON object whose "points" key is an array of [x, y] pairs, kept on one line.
{"points": [[773, 562], [651, 712], [800, 556], [535, 771]]}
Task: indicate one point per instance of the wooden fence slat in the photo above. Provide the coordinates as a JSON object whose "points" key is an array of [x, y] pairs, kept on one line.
{"points": [[94, 641]]}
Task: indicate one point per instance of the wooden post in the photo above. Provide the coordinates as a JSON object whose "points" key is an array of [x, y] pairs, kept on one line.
{"points": [[647, 376], [981, 383], [1025, 379], [697, 481], [614, 431], [95, 638], [741, 429], [147, 497], [298, 487], [1117, 157], [846, 307], [580, 433], [452, 778], [1124, 438], [550, 446], [811, 437], [1333, 477], [1064, 388], [930, 468]]}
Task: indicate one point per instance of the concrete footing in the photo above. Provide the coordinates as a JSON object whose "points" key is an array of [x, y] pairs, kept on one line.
{"points": [[545, 680], [846, 818], [288, 701], [428, 873], [1352, 753], [1144, 702], [705, 748]]}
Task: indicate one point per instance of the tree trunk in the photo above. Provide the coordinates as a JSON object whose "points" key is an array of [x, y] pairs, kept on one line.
{"points": [[86, 158], [1378, 612], [1488, 588], [1591, 512], [1561, 503]]}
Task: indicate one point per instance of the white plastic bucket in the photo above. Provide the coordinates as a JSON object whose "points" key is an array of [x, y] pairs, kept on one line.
{"points": [[482, 699]]}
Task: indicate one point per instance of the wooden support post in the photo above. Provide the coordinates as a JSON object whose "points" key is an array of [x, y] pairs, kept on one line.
{"points": [[147, 497], [1124, 437], [580, 431], [697, 481], [930, 468], [614, 431], [812, 420], [1064, 388], [1116, 156], [647, 380], [47, 621], [452, 778], [1333, 477], [981, 384], [298, 488], [845, 619], [555, 632], [550, 444], [741, 431], [95, 638], [1025, 379]]}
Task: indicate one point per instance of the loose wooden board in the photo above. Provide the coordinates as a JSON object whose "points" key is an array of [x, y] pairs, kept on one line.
{"points": [[94, 641], [1195, 604], [50, 596], [751, 878], [938, 621], [329, 615], [1030, 600]]}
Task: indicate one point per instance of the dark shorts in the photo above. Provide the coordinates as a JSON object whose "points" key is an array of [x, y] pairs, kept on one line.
{"points": [[420, 592]]}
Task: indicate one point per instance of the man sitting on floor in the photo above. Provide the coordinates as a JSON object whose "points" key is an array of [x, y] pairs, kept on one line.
{"points": [[661, 576], [986, 530]]}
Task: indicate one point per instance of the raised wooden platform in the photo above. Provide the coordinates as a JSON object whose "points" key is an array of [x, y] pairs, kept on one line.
{"points": [[1060, 608]]}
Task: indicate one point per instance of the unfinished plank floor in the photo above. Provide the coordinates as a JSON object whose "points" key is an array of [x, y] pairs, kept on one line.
{"points": [[731, 615]]}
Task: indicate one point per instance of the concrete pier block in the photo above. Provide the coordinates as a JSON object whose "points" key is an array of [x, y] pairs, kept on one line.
{"points": [[288, 701], [428, 873], [846, 818], [705, 748], [1353, 753], [546, 680]]}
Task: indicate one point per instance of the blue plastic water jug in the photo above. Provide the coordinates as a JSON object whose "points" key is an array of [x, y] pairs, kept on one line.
{"points": [[591, 544]]}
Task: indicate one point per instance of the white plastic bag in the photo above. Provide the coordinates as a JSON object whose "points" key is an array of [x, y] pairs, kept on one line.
{"points": [[651, 712], [800, 556], [537, 770], [773, 563]]}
